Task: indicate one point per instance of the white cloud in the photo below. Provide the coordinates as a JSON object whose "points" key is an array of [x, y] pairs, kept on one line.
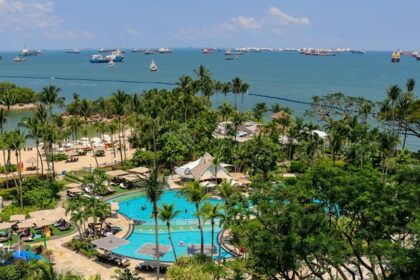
{"points": [[132, 31], [247, 22], [274, 22], [284, 18], [27, 14]]}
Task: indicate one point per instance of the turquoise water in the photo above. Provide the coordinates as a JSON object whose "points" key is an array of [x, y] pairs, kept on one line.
{"points": [[25, 255], [278, 74], [184, 227]]}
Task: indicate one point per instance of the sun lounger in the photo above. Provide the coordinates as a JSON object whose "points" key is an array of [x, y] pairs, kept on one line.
{"points": [[64, 227], [6, 237]]}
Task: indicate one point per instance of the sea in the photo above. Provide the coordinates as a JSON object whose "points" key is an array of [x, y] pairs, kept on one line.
{"points": [[289, 78]]}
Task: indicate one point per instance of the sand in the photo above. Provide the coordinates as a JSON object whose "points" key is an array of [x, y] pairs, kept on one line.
{"points": [[84, 163]]}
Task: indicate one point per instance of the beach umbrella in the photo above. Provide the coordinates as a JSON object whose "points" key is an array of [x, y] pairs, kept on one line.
{"points": [[110, 243], [149, 249], [32, 160]]}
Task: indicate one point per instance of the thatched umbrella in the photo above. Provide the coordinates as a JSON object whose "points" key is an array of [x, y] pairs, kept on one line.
{"points": [[32, 160]]}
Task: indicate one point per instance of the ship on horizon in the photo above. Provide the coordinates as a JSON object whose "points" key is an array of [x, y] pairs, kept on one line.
{"points": [[75, 51], [26, 52]]}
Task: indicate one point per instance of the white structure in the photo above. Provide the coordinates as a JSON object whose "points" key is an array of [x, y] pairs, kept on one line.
{"points": [[203, 169], [245, 132]]}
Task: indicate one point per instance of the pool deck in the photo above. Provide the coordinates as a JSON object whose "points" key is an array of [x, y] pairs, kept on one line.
{"points": [[65, 259]]}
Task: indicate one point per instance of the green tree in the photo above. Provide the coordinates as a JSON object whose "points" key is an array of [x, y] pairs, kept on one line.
{"points": [[211, 213], [154, 190], [195, 194], [167, 213]]}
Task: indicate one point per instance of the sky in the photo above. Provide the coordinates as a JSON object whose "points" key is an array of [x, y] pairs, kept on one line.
{"points": [[63, 24]]}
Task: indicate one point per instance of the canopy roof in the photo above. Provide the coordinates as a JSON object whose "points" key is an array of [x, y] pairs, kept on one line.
{"points": [[110, 243], [130, 178], [139, 170], [116, 173], [74, 185], [150, 250], [74, 190], [203, 169]]}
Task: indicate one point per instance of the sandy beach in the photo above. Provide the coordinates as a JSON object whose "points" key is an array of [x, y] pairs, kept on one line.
{"points": [[86, 162]]}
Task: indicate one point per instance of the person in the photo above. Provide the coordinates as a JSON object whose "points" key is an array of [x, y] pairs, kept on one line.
{"points": [[181, 243], [186, 211]]}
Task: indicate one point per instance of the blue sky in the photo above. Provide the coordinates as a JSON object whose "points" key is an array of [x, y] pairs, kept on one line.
{"points": [[370, 24]]}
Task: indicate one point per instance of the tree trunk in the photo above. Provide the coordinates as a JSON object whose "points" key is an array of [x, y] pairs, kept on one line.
{"points": [[20, 180], [119, 138], [52, 161], [155, 214], [40, 159], [170, 240], [6, 170], [200, 228], [212, 239]]}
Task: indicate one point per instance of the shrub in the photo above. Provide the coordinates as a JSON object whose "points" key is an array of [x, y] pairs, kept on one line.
{"points": [[143, 157], [10, 168], [58, 157], [298, 166], [8, 194]]}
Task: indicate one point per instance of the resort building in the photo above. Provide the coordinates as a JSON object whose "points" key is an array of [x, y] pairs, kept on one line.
{"points": [[244, 132], [208, 173]]}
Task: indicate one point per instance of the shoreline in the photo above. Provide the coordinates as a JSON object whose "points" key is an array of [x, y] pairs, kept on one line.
{"points": [[20, 107]]}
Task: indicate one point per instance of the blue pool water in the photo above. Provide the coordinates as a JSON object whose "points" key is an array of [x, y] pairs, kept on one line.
{"points": [[184, 227], [25, 255]]}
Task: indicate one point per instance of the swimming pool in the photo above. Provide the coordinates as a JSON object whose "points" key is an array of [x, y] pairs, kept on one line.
{"points": [[184, 227]]}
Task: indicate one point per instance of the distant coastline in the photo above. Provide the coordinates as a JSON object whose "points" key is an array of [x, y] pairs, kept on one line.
{"points": [[21, 107]]}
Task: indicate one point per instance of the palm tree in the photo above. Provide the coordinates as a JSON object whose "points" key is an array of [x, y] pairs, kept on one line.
{"points": [[3, 119], [211, 213], [154, 190], [16, 142], [77, 214], [126, 274], [50, 97], [86, 111], [393, 94], [74, 123], [236, 88], [226, 192], [195, 194], [34, 128], [167, 214], [238, 119], [225, 89], [120, 103], [8, 100], [112, 128], [225, 109], [259, 110]]}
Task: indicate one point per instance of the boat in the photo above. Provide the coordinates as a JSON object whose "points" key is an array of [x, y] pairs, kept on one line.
{"points": [[116, 56], [111, 63], [418, 57], [323, 53], [27, 52], [19, 59], [230, 52], [363, 51], [395, 57], [136, 50], [98, 58], [149, 51], [102, 50], [207, 51], [75, 51], [164, 50], [153, 67]]}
